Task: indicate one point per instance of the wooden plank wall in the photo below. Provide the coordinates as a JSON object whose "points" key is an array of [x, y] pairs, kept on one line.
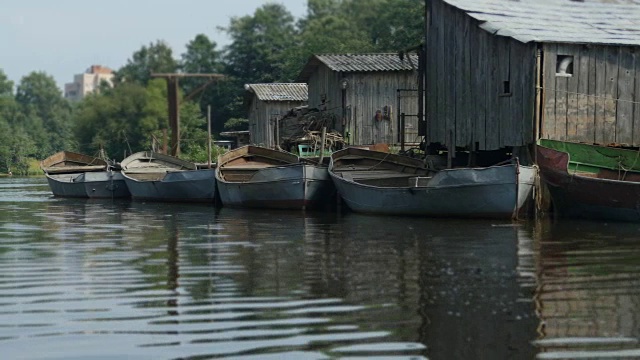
{"points": [[467, 72], [366, 93], [372, 91], [598, 103], [262, 115]]}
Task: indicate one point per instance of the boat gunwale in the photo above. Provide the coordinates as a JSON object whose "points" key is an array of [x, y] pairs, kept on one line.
{"points": [[336, 157], [564, 171], [128, 164]]}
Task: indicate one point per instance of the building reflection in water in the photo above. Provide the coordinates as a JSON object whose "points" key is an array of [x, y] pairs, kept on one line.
{"points": [[588, 289]]}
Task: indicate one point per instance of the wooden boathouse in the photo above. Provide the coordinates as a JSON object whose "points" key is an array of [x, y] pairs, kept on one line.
{"points": [[367, 93], [503, 73], [267, 103]]}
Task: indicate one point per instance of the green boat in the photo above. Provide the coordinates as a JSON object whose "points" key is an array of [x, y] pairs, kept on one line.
{"points": [[591, 181]]}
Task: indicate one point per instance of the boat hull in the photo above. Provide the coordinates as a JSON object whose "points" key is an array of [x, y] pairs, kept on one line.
{"points": [[295, 186], [93, 185], [577, 196], [493, 192], [178, 186]]}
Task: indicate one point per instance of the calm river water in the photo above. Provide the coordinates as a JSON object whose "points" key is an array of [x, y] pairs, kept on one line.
{"points": [[119, 279]]}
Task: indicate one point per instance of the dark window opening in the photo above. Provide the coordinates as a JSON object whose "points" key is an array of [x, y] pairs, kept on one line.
{"points": [[506, 88], [564, 65]]}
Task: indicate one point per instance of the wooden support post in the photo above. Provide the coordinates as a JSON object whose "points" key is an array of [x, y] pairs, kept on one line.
{"points": [[174, 103], [537, 121], [278, 132], [164, 141], [174, 115], [323, 139], [451, 150], [209, 135], [402, 130]]}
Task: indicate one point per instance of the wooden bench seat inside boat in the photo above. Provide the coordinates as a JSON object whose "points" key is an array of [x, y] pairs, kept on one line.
{"points": [[241, 173], [74, 169], [381, 178], [147, 176], [375, 174], [151, 173]]}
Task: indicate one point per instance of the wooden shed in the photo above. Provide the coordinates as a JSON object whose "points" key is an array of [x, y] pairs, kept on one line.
{"points": [[267, 104], [367, 93], [503, 73]]}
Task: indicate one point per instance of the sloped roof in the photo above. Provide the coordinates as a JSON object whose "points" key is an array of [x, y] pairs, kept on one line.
{"points": [[564, 21], [279, 91], [360, 63]]}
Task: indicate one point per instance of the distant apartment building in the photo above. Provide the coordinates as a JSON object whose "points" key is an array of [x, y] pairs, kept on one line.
{"points": [[88, 82]]}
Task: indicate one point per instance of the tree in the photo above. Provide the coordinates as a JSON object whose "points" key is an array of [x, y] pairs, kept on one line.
{"points": [[155, 58], [193, 133], [8, 106], [260, 44], [357, 26], [390, 25], [43, 114], [236, 124], [6, 85], [201, 56], [121, 120]]}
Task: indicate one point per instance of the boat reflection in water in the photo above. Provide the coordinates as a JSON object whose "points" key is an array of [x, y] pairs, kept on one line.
{"points": [[588, 293], [449, 285], [155, 280]]}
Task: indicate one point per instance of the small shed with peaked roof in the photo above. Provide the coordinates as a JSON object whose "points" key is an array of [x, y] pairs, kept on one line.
{"points": [[267, 103], [503, 73], [366, 93]]}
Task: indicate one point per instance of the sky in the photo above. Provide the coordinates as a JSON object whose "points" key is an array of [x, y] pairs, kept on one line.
{"points": [[65, 37]]}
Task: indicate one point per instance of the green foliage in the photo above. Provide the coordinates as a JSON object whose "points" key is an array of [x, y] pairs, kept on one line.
{"points": [[202, 57], [155, 58], [121, 120], [43, 113], [16, 149], [193, 131], [6, 85], [235, 124], [260, 44]]}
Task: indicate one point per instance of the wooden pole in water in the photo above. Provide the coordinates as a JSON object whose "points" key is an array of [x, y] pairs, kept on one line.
{"points": [[451, 150], [322, 140], [278, 132], [402, 130], [209, 135]]}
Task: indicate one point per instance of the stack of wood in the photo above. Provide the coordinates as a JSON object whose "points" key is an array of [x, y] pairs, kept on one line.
{"points": [[305, 127]]}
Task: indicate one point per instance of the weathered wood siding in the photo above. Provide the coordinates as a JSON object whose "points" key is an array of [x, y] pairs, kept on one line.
{"points": [[598, 102], [262, 119], [366, 93], [480, 87]]}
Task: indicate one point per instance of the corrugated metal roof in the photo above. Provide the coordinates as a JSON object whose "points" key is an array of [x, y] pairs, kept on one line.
{"points": [[359, 63], [279, 91], [369, 62], [563, 21]]}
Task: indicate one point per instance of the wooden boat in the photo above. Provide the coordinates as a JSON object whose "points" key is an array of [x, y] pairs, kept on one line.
{"points": [[70, 174], [590, 181], [254, 176], [158, 177], [383, 183]]}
